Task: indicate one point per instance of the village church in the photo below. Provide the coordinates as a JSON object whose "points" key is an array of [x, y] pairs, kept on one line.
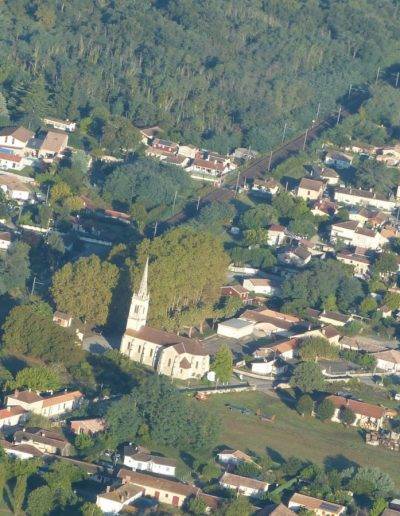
{"points": [[167, 353]]}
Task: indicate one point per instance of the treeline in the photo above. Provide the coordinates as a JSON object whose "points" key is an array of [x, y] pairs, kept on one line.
{"points": [[217, 73]]}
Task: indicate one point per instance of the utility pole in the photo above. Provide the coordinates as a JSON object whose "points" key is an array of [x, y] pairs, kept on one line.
{"points": [[350, 88], [397, 79], [34, 285], [269, 163], [318, 110], [155, 229], [284, 132], [47, 194], [173, 205], [377, 74], [237, 183], [198, 203], [305, 139], [338, 116]]}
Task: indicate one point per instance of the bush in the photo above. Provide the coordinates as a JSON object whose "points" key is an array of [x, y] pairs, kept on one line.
{"points": [[325, 410], [347, 416], [305, 405]]}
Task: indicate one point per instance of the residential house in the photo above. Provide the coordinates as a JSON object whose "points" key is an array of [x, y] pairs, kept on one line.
{"points": [[358, 197], [91, 427], [310, 189], [268, 186], [385, 311], [286, 350], [388, 360], [179, 161], [207, 169], [334, 318], [168, 353], [15, 138], [20, 451], [343, 231], [367, 416], [168, 491], [50, 406], [165, 145], [235, 291], [156, 152], [61, 125], [268, 366], [360, 263], [296, 255], [352, 234], [276, 235], [331, 334], [53, 145], [330, 176], [14, 188], [372, 216], [272, 322], [244, 485], [62, 319], [390, 156], [188, 151], [113, 501], [9, 161], [265, 286], [12, 416], [5, 240], [234, 457], [323, 208], [138, 460], [243, 153], [319, 507], [46, 441], [338, 160], [149, 133], [236, 328], [279, 510]]}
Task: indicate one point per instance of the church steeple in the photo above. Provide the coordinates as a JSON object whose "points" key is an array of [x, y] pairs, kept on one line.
{"points": [[137, 317]]}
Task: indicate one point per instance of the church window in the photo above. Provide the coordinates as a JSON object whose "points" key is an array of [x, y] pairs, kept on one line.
{"points": [[151, 352], [139, 348], [197, 365], [136, 309], [169, 363]]}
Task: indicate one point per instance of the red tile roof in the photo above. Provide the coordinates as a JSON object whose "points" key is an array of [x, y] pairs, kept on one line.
{"points": [[358, 407]]}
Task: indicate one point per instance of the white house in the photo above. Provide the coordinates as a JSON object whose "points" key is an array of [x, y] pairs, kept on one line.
{"points": [[15, 138], [358, 197], [286, 350], [188, 151], [61, 125], [359, 262], [53, 145], [14, 188], [50, 406], [234, 457], [310, 189], [235, 328], [12, 416], [263, 286], [113, 501], [20, 451], [141, 461], [5, 240], [367, 416], [388, 360], [276, 235], [351, 233], [315, 505], [338, 160], [265, 186], [330, 176], [244, 485], [10, 161]]}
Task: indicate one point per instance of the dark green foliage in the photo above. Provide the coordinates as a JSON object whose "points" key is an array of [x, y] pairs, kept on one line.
{"points": [[29, 329], [147, 182], [307, 377], [325, 410], [365, 360], [215, 216], [372, 482], [14, 269], [261, 216], [260, 257], [305, 405], [346, 416], [372, 174], [123, 420]]}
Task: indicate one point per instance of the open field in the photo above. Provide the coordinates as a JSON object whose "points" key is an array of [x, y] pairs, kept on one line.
{"points": [[293, 435]]}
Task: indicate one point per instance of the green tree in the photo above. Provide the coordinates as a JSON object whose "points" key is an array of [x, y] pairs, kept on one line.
{"points": [[223, 364], [186, 271], [4, 115], [210, 471], [19, 494], [196, 506], [305, 405], [214, 216], [379, 505], [347, 416], [29, 329], [386, 264], [61, 478], [83, 442], [90, 509], [392, 300], [238, 507], [261, 216], [123, 420], [308, 377], [139, 214], [84, 289], [40, 501], [368, 306], [314, 348], [258, 236], [325, 410], [372, 482], [15, 269], [39, 378]]}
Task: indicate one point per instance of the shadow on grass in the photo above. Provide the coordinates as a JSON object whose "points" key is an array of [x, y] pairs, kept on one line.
{"points": [[339, 462]]}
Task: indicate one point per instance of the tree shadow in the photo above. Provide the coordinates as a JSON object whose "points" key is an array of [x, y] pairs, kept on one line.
{"points": [[13, 364], [339, 462], [274, 455]]}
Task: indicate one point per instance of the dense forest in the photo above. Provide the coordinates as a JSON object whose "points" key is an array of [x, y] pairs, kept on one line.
{"points": [[220, 73]]}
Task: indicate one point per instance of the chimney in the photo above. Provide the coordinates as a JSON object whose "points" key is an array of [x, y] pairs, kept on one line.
{"points": [[108, 489]]}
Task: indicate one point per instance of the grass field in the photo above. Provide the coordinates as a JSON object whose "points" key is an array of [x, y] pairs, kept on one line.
{"points": [[293, 435]]}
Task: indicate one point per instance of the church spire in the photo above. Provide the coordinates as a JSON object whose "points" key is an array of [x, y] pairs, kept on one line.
{"points": [[142, 292]]}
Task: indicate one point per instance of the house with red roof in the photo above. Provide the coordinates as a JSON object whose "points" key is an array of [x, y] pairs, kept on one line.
{"points": [[367, 416], [47, 406]]}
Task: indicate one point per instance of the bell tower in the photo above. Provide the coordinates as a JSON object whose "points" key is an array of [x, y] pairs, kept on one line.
{"points": [[137, 317]]}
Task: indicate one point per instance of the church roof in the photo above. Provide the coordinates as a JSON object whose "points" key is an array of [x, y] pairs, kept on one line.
{"points": [[165, 338]]}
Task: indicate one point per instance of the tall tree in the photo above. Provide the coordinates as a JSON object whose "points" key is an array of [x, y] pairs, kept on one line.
{"points": [[84, 289], [223, 364]]}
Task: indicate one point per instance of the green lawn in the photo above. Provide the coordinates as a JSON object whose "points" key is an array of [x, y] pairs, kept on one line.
{"points": [[293, 435]]}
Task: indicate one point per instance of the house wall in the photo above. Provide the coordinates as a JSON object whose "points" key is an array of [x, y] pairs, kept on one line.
{"points": [[311, 195], [13, 420], [60, 408], [360, 420], [169, 364], [245, 491], [10, 141], [11, 165], [382, 204], [387, 366], [161, 469], [140, 350], [167, 497], [234, 333], [108, 506], [4, 244], [275, 238]]}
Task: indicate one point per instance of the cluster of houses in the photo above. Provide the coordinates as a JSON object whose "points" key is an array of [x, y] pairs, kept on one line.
{"points": [[200, 163]]}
